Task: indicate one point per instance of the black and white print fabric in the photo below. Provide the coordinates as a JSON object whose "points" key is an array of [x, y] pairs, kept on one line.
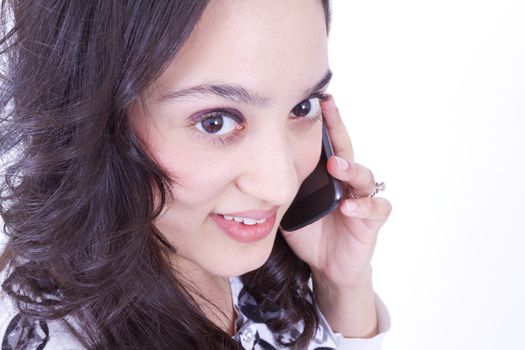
{"points": [[253, 333], [25, 333]]}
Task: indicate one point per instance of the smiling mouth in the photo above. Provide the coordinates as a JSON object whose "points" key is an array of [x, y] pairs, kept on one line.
{"points": [[245, 229]]}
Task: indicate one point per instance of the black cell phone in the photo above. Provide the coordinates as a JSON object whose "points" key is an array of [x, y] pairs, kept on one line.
{"points": [[318, 195]]}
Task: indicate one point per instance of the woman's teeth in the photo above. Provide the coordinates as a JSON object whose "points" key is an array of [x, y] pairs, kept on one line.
{"points": [[246, 221]]}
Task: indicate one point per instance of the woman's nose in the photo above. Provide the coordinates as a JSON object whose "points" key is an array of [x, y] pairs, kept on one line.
{"points": [[269, 171]]}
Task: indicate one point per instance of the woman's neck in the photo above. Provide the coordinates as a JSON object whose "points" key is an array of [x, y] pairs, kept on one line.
{"points": [[211, 292]]}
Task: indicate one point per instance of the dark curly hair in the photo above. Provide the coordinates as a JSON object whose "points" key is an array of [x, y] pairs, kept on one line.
{"points": [[82, 247]]}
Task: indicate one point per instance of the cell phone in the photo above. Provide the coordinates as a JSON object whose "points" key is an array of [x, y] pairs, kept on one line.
{"points": [[319, 194]]}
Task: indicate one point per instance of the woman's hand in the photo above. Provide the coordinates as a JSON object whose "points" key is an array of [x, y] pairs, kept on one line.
{"points": [[339, 247]]}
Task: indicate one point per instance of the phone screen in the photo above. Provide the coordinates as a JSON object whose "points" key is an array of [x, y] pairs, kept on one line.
{"points": [[317, 180]]}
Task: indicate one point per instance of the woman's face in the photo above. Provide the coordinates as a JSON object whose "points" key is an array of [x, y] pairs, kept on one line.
{"points": [[244, 146]]}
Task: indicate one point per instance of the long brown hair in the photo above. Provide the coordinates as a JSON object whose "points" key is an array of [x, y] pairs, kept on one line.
{"points": [[81, 243]]}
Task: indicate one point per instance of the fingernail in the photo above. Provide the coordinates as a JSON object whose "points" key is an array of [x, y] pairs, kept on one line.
{"points": [[342, 163], [327, 98], [332, 100], [351, 206]]}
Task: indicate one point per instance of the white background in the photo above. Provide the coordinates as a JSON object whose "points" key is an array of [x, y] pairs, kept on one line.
{"points": [[433, 95]]}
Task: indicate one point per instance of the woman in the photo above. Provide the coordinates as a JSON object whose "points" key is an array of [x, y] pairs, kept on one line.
{"points": [[135, 134]]}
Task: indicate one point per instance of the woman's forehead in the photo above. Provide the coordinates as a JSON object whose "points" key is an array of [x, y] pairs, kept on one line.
{"points": [[252, 44]]}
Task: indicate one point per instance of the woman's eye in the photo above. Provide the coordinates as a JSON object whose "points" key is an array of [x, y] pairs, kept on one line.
{"points": [[218, 123], [308, 108]]}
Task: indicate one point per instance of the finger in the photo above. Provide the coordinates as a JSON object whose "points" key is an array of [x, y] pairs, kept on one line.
{"points": [[359, 177], [377, 209], [341, 142]]}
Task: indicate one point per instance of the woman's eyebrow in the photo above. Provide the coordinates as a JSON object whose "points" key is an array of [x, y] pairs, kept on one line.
{"points": [[237, 93]]}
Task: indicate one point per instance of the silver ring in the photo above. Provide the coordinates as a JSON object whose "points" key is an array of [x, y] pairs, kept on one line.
{"points": [[379, 186]]}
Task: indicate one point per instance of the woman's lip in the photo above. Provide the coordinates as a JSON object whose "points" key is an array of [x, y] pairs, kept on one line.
{"points": [[245, 233]]}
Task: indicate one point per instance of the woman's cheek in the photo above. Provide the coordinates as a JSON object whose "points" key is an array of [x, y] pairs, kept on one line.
{"points": [[195, 173]]}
